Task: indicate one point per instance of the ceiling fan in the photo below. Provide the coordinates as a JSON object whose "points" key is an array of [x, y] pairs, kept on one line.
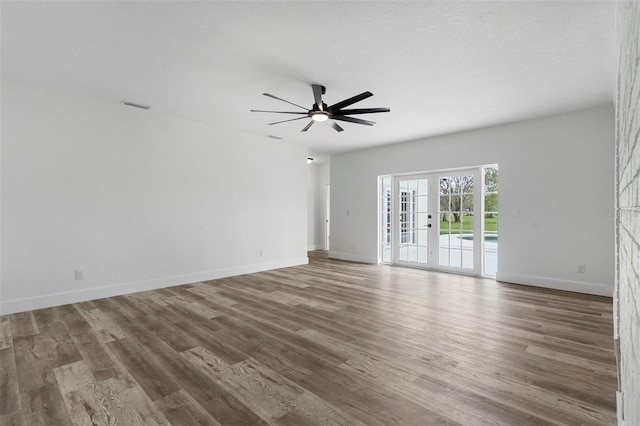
{"points": [[321, 112]]}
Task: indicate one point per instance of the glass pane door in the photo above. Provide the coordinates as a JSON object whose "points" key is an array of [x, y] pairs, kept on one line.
{"points": [[456, 221], [385, 219], [412, 220]]}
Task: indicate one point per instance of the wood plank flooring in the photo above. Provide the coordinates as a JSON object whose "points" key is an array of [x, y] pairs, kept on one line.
{"points": [[329, 343]]}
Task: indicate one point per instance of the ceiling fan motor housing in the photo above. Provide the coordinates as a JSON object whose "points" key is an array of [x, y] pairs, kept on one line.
{"points": [[315, 108]]}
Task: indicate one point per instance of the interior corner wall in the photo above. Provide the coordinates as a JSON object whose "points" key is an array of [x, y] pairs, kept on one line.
{"points": [[557, 172], [136, 200], [627, 301]]}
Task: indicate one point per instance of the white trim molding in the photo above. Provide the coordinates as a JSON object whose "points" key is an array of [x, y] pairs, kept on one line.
{"points": [[556, 284], [352, 257], [57, 299]]}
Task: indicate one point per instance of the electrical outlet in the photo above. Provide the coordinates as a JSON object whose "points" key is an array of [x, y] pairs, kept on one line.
{"points": [[79, 274], [581, 268]]}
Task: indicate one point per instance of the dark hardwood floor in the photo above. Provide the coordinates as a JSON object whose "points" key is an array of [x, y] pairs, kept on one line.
{"points": [[326, 343]]}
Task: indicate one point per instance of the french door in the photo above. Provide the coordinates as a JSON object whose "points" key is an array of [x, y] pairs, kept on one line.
{"points": [[432, 220], [412, 220]]}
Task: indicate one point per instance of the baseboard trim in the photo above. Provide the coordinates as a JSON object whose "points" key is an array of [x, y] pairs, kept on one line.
{"points": [[352, 257], [64, 298], [556, 284]]}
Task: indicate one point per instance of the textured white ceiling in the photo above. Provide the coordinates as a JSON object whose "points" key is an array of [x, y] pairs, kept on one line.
{"points": [[441, 67]]}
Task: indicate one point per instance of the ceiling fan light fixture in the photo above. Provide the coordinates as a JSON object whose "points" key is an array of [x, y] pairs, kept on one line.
{"points": [[319, 116]]}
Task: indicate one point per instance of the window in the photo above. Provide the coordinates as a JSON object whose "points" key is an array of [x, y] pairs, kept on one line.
{"points": [[490, 221]]}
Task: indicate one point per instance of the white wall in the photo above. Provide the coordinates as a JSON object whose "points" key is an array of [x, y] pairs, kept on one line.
{"points": [[136, 200], [557, 171]]}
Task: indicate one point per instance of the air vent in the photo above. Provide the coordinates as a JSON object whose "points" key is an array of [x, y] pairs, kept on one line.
{"points": [[135, 105]]}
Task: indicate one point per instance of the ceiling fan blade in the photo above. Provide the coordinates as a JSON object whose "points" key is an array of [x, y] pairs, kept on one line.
{"points": [[284, 121], [353, 120], [283, 100], [361, 111], [334, 125], [279, 112], [317, 95], [352, 100], [308, 126]]}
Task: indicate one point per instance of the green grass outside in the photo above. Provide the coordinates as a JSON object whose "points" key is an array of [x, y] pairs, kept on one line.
{"points": [[490, 224]]}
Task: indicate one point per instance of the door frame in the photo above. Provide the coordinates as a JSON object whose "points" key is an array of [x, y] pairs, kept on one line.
{"points": [[433, 203], [327, 215]]}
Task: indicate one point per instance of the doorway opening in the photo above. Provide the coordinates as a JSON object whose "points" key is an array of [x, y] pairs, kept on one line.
{"points": [[327, 216], [442, 220]]}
